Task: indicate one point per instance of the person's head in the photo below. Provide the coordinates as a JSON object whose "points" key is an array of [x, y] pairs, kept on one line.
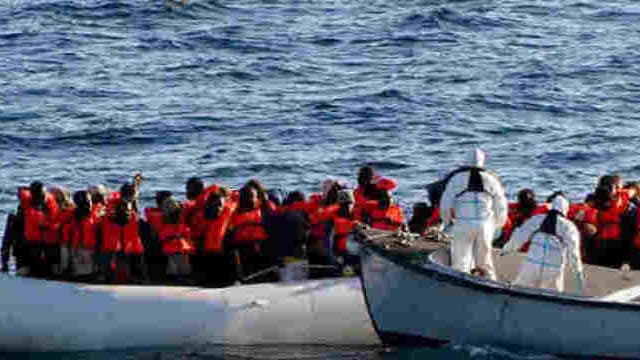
{"points": [[590, 200], [608, 182], [248, 198], [257, 185], [294, 197], [161, 196], [617, 181], [420, 210], [346, 201], [82, 199], [366, 176], [123, 212], [477, 158], [171, 211], [560, 203], [62, 196], [128, 192], [331, 195], [214, 205], [98, 193], [194, 187], [555, 194], [604, 195], [37, 191], [527, 199]]}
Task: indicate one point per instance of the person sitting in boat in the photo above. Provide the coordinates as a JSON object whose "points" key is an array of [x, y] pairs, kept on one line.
{"points": [[174, 237], [247, 232], [472, 207], [554, 239], [40, 212], [154, 258], [82, 234], [213, 222], [386, 214], [121, 247], [520, 211], [611, 247], [366, 190], [13, 240], [99, 194]]}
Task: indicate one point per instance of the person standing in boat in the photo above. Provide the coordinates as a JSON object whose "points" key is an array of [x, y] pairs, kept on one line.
{"points": [[554, 239], [81, 234], [472, 207], [40, 211], [13, 240]]}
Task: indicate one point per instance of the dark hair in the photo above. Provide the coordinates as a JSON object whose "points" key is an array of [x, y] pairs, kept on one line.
{"points": [[556, 193], [128, 190], [161, 196], [294, 196], [365, 175], [194, 187], [256, 184]]}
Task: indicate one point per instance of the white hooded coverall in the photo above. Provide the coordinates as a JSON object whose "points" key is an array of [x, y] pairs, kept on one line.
{"points": [[473, 217], [547, 255]]}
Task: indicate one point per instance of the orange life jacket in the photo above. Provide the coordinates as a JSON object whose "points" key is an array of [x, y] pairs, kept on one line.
{"points": [[214, 230], [387, 219], [583, 214], [38, 223], [341, 228], [247, 227], [318, 218], [175, 239], [154, 218], [609, 219], [126, 239], [82, 234], [55, 234], [515, 218]]}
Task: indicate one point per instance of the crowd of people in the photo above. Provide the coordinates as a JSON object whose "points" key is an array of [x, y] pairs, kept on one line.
{"points": [[217, 236]]}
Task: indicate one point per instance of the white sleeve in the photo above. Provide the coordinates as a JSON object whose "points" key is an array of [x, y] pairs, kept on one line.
{"points": [[572, 238], [500, 203], [522, 234], [448, 199]]}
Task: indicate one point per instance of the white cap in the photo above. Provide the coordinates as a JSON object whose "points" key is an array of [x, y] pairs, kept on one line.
{"points": [[560, 204]]}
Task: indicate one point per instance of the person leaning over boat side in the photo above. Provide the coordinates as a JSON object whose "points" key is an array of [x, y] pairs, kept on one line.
{"points": [[386, 214], [82, 234], [13, 240], [40, 209], [554, 239], [474, 205], [174, 236]]}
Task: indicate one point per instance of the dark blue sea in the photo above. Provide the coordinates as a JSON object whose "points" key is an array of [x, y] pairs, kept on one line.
{"points": [[292, 92]]}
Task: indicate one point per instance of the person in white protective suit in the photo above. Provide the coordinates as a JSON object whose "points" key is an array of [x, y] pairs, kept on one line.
{"points": [[554, 240], [473, 207]]}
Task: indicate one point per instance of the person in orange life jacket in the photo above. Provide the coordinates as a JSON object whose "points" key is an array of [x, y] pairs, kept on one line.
{"points": [[82, 235], [194, 188], [386, 215], [13, 240], [174, 236], [419, 216], [56, 249], [121, 249], [519, 212], [154, 258], [40, 210], [99, 194], [610, 248], [366, 189], [215, 267], [247, 232]]}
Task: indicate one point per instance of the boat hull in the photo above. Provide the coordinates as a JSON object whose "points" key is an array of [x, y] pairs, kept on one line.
{"points": [[429, 304], [40, 315]]}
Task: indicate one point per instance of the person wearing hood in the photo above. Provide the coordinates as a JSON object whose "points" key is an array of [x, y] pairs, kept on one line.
{"points": [[554, 240], [472, 207]]}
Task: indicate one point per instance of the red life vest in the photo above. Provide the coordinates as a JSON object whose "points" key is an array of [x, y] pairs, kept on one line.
{"points": [[154, 218], [55, 234], [387, 219], [82, 234], [126, 239], [175, 239], [214, 230], [341, 229], [609, 219], [434, 219], [583, 214], [247, 227], [318, 219], [38, 223], [515, 218]]}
